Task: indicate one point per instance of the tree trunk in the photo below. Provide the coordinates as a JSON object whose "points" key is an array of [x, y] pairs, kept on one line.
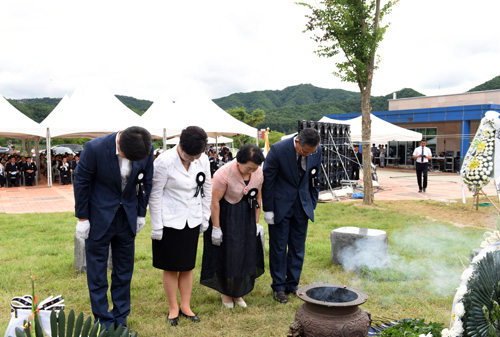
{"points": [[365, 139]]}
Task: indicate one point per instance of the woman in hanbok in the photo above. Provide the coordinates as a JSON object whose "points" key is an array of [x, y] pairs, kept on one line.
{"points": [[232, 252]]}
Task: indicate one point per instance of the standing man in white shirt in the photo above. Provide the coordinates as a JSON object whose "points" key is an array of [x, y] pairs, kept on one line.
{"points": [[422, 156]]}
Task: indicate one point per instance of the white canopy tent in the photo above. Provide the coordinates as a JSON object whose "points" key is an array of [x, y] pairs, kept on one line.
{"points": [[196, 108], [381, 131], [17, 125], [160, 120], [91, 111], [211, 140]]}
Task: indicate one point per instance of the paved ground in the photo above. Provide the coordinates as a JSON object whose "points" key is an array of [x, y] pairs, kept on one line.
{"points": [[395, 184]]}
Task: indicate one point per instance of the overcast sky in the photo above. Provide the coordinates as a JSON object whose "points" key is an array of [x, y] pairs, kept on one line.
{"points": [[148, 49]]}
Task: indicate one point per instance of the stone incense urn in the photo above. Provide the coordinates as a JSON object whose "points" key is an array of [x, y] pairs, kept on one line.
{"points": [[330, 310]]}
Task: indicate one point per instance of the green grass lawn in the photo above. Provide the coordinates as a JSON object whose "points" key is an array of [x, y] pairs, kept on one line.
{"points": [[419, 281]]}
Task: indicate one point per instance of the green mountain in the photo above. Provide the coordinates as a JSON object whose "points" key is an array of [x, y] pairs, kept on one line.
{"points": [[492, 84], [302, 94], [39, 108], [304, 102], [282, 107]]}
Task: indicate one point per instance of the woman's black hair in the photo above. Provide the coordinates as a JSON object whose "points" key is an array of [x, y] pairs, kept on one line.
{"points": [[135, 143], [251, 153], [193, 140]]}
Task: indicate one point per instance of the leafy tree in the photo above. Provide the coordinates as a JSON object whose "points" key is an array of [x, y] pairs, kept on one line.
{"points": [[275, 136], [256, 117], [352, 28]]}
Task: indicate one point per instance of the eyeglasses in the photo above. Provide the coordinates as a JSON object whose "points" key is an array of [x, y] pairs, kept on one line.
{"points": [[306, 153]]}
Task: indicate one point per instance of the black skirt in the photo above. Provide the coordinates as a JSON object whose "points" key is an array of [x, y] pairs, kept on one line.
{"points": [[232, 267], [176, 251]]}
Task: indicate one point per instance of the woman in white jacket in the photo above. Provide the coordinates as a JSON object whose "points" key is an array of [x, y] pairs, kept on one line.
{"points": [[180, 209]]}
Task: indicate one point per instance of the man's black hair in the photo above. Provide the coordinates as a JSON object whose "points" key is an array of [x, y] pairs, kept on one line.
{"points": [[135, 143], [309, 137], [251, 153], [193, 140]]}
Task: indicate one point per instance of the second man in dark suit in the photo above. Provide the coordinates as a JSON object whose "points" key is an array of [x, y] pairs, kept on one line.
{"points": [[290, 194]]}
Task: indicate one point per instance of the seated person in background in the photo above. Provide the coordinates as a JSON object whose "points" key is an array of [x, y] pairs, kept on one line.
{"points": [[22, 162], [2, 172], [222, 150], [229, 155], [64, 171], [214, 163], [56, 162], [75, 162], [13, 171], [29, 171], [43, 165]]}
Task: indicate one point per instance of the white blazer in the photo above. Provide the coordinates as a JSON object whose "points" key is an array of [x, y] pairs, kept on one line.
{"points": [[172, 202]]}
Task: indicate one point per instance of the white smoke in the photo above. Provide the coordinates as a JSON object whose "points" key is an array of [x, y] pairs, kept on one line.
{"points": [[429, 253]]}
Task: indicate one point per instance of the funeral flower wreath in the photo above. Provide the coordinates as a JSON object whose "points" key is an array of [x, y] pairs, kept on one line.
{"points": [[477, 169], [476, 310]]}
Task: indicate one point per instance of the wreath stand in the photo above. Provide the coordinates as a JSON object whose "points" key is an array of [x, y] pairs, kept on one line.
{"points": [[476, 198]]}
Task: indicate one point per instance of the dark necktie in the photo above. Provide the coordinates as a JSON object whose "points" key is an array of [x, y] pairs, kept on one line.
{"points": [[299, 166], [422, 158]]}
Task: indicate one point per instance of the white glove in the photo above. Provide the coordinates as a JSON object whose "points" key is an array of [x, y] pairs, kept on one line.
{"points": [[216, 236], [269, 217], [141, 222], [82, 229], [157, 234], [260, 230], [204, 226]]}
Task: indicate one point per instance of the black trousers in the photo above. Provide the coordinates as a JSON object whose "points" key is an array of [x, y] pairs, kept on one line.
{"points": [[355, 173], [422, 169]]}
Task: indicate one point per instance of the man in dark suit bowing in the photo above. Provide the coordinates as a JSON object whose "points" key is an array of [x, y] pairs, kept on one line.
{"points": [[290, 194], [112, 184]]}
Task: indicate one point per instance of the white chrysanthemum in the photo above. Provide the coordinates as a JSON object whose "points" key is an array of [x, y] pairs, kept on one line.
{"points": [[458, 327], [466, 275], [424, 335], [459, 310], [448, 333], [461, 290]]}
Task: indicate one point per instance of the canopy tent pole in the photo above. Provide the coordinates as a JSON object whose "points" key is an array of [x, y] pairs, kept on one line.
{"points": [[49, 160]]}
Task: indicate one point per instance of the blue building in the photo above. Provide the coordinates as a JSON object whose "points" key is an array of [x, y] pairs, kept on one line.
{"points": [[447, 122]]}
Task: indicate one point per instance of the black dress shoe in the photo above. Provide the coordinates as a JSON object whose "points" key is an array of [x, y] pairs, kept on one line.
{"points": [[424, 189], [193, 318], [173, 321], [280, 296]]}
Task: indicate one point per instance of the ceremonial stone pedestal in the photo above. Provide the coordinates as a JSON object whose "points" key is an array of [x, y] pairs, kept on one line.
{"points": [[80, 258], [353, 247]]}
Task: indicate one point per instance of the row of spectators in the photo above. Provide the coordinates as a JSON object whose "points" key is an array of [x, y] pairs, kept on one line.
{"points": [[218, 157], [14, 167]]}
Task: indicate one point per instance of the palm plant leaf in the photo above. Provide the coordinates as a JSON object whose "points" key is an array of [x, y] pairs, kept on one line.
{"points": [[481, 318]]}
